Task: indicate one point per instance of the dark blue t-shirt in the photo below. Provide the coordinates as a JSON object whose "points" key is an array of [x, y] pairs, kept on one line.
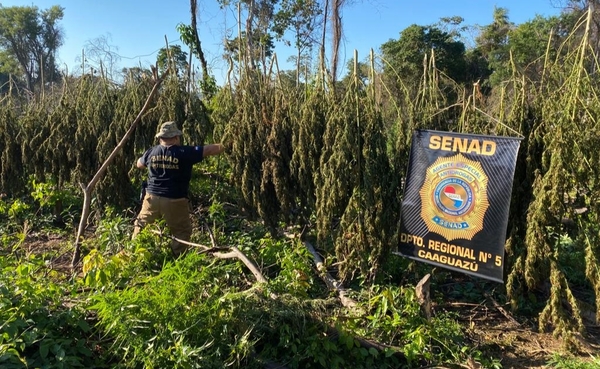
{"points": [[170, 169]]}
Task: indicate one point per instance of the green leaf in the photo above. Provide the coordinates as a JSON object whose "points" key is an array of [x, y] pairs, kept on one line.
{"points": [[23, 270], [83, 350], [44, 348], [83, 325], [60, 355]]}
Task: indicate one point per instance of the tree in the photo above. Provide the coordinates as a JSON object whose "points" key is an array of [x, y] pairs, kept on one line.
{"points": [[508, 48], [478, 69], [492, 42], [262, 48], [4, 82], [32, 37], [529, 46], [254, 43], [267, 21], [136, 75], [99, 54], [336, 34], [362, 74], [302, 17], [304, 66], [576, 9], [8, 66], [172, 56], [189, 35], [406, 54]]}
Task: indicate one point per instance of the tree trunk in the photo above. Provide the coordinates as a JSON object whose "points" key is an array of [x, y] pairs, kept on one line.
{"points": [[197, 44], [336, 30]]}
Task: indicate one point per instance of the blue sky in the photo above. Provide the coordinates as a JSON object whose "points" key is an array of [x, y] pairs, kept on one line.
{"points": [[136, 29]]}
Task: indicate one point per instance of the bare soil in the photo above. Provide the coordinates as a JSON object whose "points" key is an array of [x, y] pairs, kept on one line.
{"points": [[519, 344]]}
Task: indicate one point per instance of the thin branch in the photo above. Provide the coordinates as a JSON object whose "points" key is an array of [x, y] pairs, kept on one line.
{"points": [[232, 253]]}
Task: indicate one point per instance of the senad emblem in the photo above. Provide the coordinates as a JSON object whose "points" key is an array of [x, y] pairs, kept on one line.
{"points": [[454, 197]]}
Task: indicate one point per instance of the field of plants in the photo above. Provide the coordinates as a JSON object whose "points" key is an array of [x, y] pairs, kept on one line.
{"points": [[295, 224]]}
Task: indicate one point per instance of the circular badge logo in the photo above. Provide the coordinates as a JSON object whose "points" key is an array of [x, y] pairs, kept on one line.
{"points": [[454, 197]]}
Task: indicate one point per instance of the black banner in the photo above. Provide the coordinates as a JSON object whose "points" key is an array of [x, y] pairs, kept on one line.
{"points": [[456, 201]]}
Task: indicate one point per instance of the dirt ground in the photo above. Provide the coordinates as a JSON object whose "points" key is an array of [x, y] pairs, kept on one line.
{"points": [[519, 345], [491, 328]]}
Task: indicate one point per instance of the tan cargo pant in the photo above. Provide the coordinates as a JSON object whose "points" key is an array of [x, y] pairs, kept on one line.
{"points": [[176, 213]]}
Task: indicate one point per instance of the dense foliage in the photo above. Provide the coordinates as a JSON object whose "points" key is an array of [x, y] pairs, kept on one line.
{"points": [[306, 156]]}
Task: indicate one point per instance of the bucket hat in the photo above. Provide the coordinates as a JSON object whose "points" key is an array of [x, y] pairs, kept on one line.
{"points": [[168, 130]]}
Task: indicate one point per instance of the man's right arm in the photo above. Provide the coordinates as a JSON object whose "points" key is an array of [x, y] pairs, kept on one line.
{"points": [[140, 164]]}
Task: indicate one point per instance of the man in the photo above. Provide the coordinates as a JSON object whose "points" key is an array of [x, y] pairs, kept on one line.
{"points": [[169, 172]]}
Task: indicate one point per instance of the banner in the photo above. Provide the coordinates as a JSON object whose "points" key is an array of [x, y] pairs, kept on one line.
{"points": [[456, 201]]}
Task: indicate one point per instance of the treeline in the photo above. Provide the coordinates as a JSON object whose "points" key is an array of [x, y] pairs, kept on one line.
{"points": [[305, 148]]}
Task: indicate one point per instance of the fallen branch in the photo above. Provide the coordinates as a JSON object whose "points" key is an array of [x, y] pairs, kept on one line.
{"points": [[332, 283], [218, 252], [332, 332], [501, 309], [87, 190], [237, 254]]}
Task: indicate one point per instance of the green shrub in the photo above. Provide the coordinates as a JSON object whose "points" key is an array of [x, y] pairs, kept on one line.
{"points": [[39, 329]]}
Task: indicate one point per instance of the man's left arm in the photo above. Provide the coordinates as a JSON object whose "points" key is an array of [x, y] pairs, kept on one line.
{"points": [[212, 149]]}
